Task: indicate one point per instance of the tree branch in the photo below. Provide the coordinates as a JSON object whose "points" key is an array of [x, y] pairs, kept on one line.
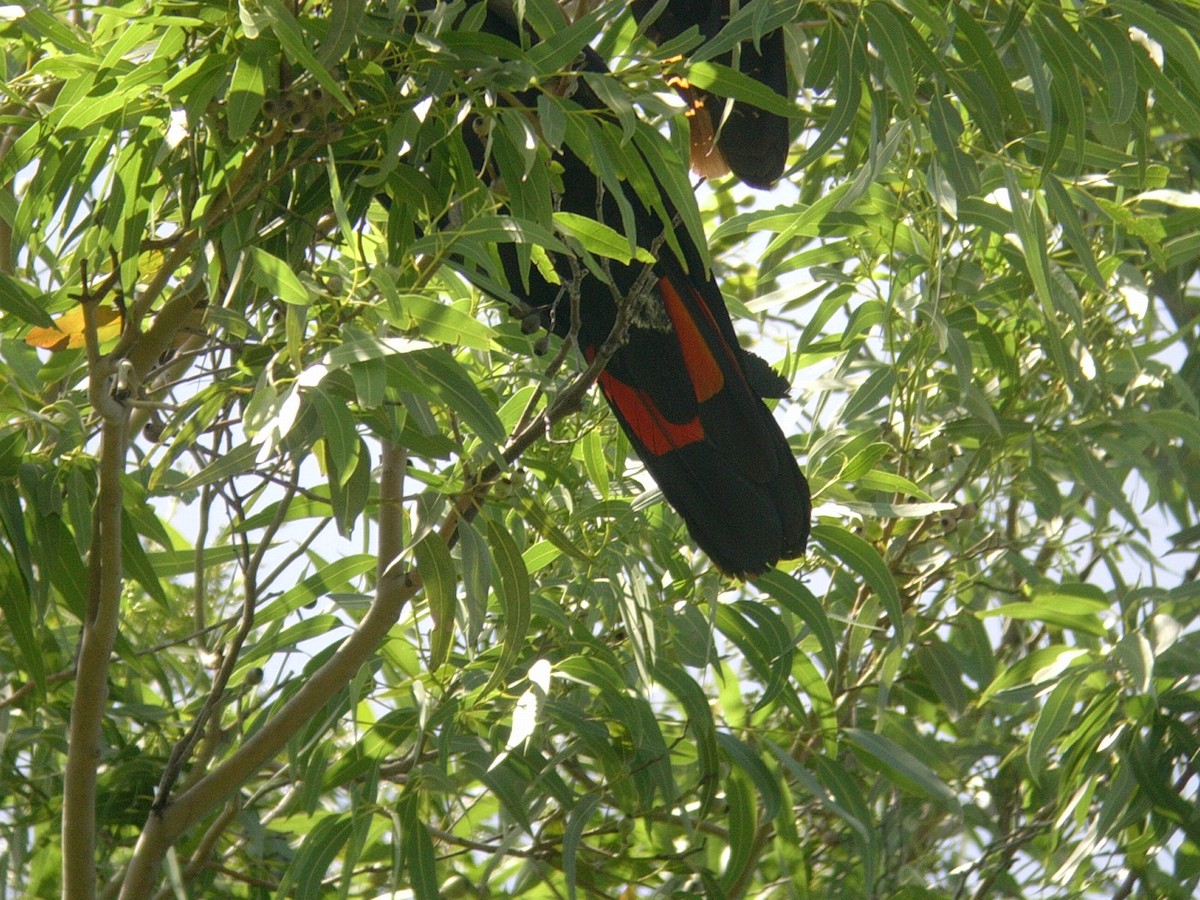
{"points": [[95, 650], [392, 593]]}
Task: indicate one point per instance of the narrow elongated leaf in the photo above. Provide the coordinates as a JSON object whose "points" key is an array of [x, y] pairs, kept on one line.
{"points": [[248, 88], [577, 819], [727, 82], [1098, 477], [1059, 202], [439, 375], [848, 91], [799, 600], [477, 580], [137, 564], [979, 55], [829, 782], [742, 816], [1179, 45], [286, 640], [599, 239], [905, 770], [940, 666], [321, 845], [438, 321], [345, 19], [18, 611], [20, 299], [700, 726], [275, 275], [869, 394], [513, 590], [765, 781], [437, 573], [1119, 65], [887, 35], [1051, 722], [946, 128], [863, 559], [237, 461], [329, 578], [299, 47], [419, 860]]}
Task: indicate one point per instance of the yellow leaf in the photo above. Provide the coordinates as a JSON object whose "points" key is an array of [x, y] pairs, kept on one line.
{"points": [[67, 333]]}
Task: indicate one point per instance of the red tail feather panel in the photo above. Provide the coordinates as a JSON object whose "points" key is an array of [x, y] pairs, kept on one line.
{"points": [[707, 377], [645, 422]]}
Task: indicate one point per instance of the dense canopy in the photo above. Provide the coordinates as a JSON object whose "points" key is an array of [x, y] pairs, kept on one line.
{"points": [[324, 575]]}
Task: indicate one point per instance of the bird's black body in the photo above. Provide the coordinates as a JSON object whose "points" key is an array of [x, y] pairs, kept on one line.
{"points": [[686, 394]]}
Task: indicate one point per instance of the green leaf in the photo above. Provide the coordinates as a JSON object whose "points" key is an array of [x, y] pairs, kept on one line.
{"points": [[761, 635], [832, 786], [865, 561], [417, 846], [288, 639], [513, 591], [765, 782], [436, 320], [700, 725], [749, 22], [878, 385], [337, 430], [299, 48], [558, 48], [888, 481], [727, 82], [1059, 203], [17, 606], [1039, 667], [946, 127], [345, 19], [540, 555], [847, 92], [1171, 422], [1051, 721], [742, 816], [321, 845], [489, 229], [670, 171], [276, 276], [1179, 45], [599, 239], [247, 89], [903, 769], [812, 683], [941, 668], [979, 56], [477, 580], [577, 819], [437, 573], [886, 30], [1065, 606], [1098, 477], [329, 578], [592, 448], [137, 564], [439, 375], [1118, 64], [22, 300], [552, 120], [797, 599]]}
